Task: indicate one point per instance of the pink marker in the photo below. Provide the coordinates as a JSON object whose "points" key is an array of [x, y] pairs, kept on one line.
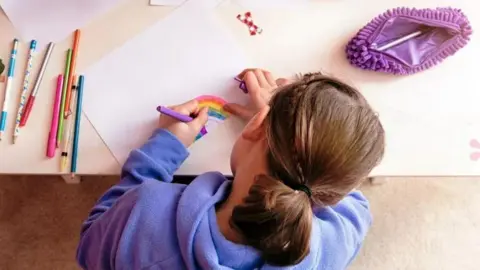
{"points": [[52, 135]]}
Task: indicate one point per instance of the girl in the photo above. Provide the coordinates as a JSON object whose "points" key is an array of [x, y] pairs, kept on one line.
{"points": [[292, 203]]}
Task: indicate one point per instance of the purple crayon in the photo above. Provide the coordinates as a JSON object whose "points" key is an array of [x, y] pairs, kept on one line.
{"points": [[182, 118], [174, 114]]}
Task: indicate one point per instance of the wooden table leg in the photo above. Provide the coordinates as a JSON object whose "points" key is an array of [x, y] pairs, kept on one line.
{"points": [[71, 180]]}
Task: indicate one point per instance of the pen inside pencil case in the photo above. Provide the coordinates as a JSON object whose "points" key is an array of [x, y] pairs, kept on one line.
{"points": [[410, 41]]}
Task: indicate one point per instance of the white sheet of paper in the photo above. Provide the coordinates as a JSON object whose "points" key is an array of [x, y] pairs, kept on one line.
{"points": [[175, 60], [53, 20], [252, 4], [166, 2], [243, 3]]}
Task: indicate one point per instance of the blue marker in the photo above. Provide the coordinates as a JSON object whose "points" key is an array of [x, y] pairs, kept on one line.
{"points": [[78, 117], [11, 69]]}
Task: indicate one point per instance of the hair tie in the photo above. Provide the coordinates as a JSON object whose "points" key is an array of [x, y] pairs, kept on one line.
{"points": [[305, 189]]}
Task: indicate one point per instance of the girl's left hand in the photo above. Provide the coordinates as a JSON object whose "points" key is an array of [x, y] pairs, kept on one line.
{"points": [[185, 132], [261, 85]]}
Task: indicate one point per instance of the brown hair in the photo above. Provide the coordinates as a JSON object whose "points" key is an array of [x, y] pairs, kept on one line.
{"points": [[321, 133]]}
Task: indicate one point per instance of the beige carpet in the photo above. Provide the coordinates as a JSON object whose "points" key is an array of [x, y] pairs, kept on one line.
{"points": [[420, 224]]}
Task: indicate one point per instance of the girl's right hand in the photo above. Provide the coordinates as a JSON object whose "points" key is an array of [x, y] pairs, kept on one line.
{"points": [[185, 132], [261, 85]]}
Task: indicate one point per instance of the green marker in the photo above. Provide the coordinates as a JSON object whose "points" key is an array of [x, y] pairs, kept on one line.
{"points": [[64, 95]]}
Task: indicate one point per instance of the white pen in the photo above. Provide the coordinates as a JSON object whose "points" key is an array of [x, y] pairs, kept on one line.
{"points": [[36, 86], [23, 95]]}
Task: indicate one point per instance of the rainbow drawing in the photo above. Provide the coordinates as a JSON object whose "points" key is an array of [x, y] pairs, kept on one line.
{"points": [[216, 113]]}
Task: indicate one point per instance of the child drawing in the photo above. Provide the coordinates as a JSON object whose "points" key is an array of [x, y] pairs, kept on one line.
{"points": [[306, 146]]}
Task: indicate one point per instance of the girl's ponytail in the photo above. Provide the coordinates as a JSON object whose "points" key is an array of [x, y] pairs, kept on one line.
{"points": [[276, 220]]}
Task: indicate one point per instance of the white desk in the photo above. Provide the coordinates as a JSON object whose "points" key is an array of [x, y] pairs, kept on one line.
{"points": [[429, 118]]}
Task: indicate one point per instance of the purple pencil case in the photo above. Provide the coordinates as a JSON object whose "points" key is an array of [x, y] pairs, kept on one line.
{"points": [[405, 41]]}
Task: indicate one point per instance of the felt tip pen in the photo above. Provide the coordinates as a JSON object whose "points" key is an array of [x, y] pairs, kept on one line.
{"points": [[24, 89], [52, 135], [78, 118], [71, 73], [11, 70], [64, 97], [36, 86], [242, 85], [180, 117]]}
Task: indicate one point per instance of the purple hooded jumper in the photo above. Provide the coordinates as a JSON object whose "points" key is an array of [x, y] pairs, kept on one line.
{"points": [[147, 222]]}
